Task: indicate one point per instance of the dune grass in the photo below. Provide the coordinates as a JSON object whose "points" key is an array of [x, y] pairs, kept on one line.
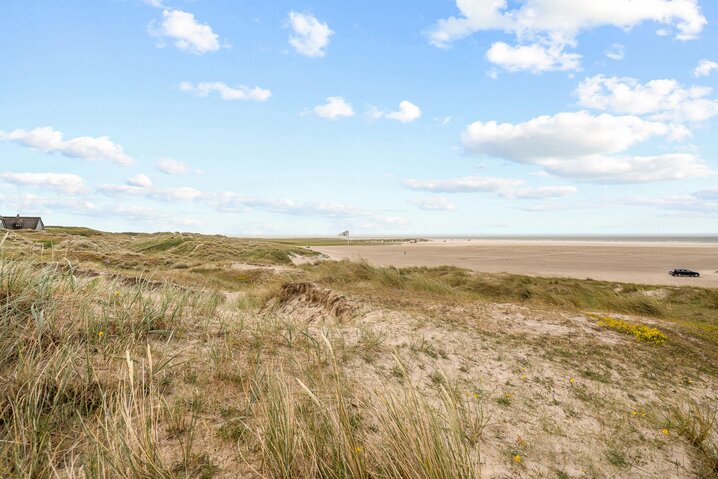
{"points": [[89, 374], [695, 309], [149, 356]]}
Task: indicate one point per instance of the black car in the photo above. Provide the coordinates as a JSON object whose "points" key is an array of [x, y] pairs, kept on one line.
{"points": [[683, 272]]}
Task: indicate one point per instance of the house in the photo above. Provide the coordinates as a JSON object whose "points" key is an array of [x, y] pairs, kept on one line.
{"points": [[21, 223]]}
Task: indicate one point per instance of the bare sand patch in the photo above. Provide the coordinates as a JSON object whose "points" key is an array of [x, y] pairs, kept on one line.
{"points": [[629, 262]]}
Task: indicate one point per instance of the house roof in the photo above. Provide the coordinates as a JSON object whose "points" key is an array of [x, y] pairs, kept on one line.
{"points": [[27, 221]]}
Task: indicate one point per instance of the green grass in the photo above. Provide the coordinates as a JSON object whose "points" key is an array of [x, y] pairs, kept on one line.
{"points": [[694, 309]]}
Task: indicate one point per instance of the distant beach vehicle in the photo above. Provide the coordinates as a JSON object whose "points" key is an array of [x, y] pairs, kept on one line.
{"points": [[684, 272]]}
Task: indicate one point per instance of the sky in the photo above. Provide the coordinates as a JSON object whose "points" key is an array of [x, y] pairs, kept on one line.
{"points": [[311, 117]]}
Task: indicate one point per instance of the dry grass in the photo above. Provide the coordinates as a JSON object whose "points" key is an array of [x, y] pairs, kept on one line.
{"points": [[334, 370]]}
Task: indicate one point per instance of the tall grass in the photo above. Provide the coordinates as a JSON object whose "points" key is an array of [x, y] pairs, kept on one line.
{"points": [[66, 406], [400, 433], [698, 423]]}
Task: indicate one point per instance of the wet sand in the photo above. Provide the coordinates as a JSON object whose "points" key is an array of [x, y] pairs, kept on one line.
{"points": [[623, 261]]}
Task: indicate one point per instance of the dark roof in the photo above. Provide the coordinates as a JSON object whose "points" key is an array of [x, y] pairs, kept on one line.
{"points": [[29, 222]]}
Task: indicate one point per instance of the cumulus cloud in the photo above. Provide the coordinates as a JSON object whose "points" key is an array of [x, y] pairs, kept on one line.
{"points": [[226, 92], [141, 180], [335, 107], [171, 166], [187, 33], [433, 204], [563, 135], [659, 99], [705, 68], [585, 146], [66, 183], [534, 58], [49, 140], [310, 37], [407, 112], [544, 28]]}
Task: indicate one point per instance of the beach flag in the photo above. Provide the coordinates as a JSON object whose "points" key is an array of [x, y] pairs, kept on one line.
{"points": [[344, 233]]}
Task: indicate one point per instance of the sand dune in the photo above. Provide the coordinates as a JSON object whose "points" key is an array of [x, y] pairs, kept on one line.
{"points": [[626, 261]]}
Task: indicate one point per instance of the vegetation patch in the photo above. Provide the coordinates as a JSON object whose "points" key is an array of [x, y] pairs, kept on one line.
{"points": [[640, 331]]}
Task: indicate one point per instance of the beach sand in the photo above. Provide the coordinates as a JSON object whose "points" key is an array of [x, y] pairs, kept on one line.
{"points": [[622, 261]]}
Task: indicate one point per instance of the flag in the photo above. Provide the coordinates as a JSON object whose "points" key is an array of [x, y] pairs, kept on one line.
{"points": [[344, 233]]}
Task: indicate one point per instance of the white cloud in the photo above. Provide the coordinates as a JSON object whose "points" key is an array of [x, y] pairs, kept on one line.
{"points": [[154, 3], [170, 166], [188, 34], [336, 107], [534, 58], [539, 192], [407, 112], [140, 180], [699, 202], [544, 28], [617, 52], [581, 145], [504, 187], [66, 183], [468, 184], [310, 37], [49, 140], [228, 201], [564, 135], [226, 92], [433, 204], [660, 99], [183, 193], [705, 68]]}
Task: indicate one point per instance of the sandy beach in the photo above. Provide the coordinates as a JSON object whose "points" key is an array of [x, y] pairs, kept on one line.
{"points": [[624, 261]]}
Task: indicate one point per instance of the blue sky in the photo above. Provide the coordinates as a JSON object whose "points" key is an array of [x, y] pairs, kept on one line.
{"points": [[384, 118]]}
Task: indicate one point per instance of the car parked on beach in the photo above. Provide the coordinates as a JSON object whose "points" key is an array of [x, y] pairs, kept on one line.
{"points": [[684, 272]]}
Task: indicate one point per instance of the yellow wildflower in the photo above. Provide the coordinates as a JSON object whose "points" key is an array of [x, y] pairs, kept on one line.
{"points": [[639, 331], [358, 450], [101, 333], [665, 431], [517, 458], [635, 413], [572, 380]]}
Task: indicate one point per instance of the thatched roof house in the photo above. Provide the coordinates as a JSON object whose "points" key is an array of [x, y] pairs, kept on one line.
{"points": [[21, 223]]}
